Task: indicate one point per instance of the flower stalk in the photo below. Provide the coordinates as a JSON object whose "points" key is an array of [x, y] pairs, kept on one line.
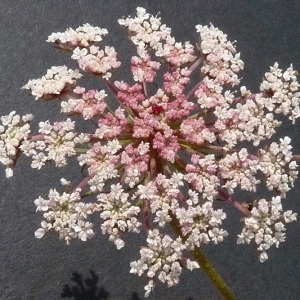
{"points": [[206, 266], [210, 271]]}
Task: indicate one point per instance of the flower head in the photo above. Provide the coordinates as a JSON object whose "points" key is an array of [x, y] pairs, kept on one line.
{"points": [[171, 149]]}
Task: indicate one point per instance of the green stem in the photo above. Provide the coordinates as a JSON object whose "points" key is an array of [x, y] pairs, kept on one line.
{"points": [[211, 272], [205, 265]]}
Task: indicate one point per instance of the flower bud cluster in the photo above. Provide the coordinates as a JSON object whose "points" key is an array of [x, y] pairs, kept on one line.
{"points": [[135, 161], [143, 69]]}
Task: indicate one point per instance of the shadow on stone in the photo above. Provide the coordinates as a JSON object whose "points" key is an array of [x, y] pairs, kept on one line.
{"points": [[84, 289], [135, 296]]}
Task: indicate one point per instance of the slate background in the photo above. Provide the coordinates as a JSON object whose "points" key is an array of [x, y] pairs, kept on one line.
{"points": [[266, 31]]}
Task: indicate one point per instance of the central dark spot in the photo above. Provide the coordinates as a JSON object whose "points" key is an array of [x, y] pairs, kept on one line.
{"points": [[157, 109]]}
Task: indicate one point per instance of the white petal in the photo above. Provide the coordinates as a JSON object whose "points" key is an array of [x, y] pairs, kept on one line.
{"points": [[9, 172], [39, 233]]}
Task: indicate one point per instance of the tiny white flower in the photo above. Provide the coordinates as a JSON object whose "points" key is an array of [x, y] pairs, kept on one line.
{"points": [[63, 181], [39, 233], [191, 265], [9, 172]]}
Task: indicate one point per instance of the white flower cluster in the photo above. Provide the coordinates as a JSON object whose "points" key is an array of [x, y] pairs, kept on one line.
{"points": [[202, 175], [221, 60], [55, 82], [82, 42], [248, 121], [176, 53], [83, 36], [200, 225], [118, 214], [254, 122], [238, 169], [210, 95], [145, 30], [162, 259], [266, 225], [56, 142], [65, 214], [280, 91], [14, 130], [101, 162], [278, 167], [253, 119], [96, 61], [162, 196]]}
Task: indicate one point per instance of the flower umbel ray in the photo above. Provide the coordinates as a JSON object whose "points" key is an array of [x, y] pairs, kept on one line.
{"points": [[162, 159]]}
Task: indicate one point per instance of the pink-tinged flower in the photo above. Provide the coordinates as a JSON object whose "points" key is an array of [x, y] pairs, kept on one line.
{"points": [[97, 61], [130, 96], [143, 69], [89, 104]]}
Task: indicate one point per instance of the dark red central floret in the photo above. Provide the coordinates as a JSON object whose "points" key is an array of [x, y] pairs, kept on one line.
{"points": [[157, 109]]}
